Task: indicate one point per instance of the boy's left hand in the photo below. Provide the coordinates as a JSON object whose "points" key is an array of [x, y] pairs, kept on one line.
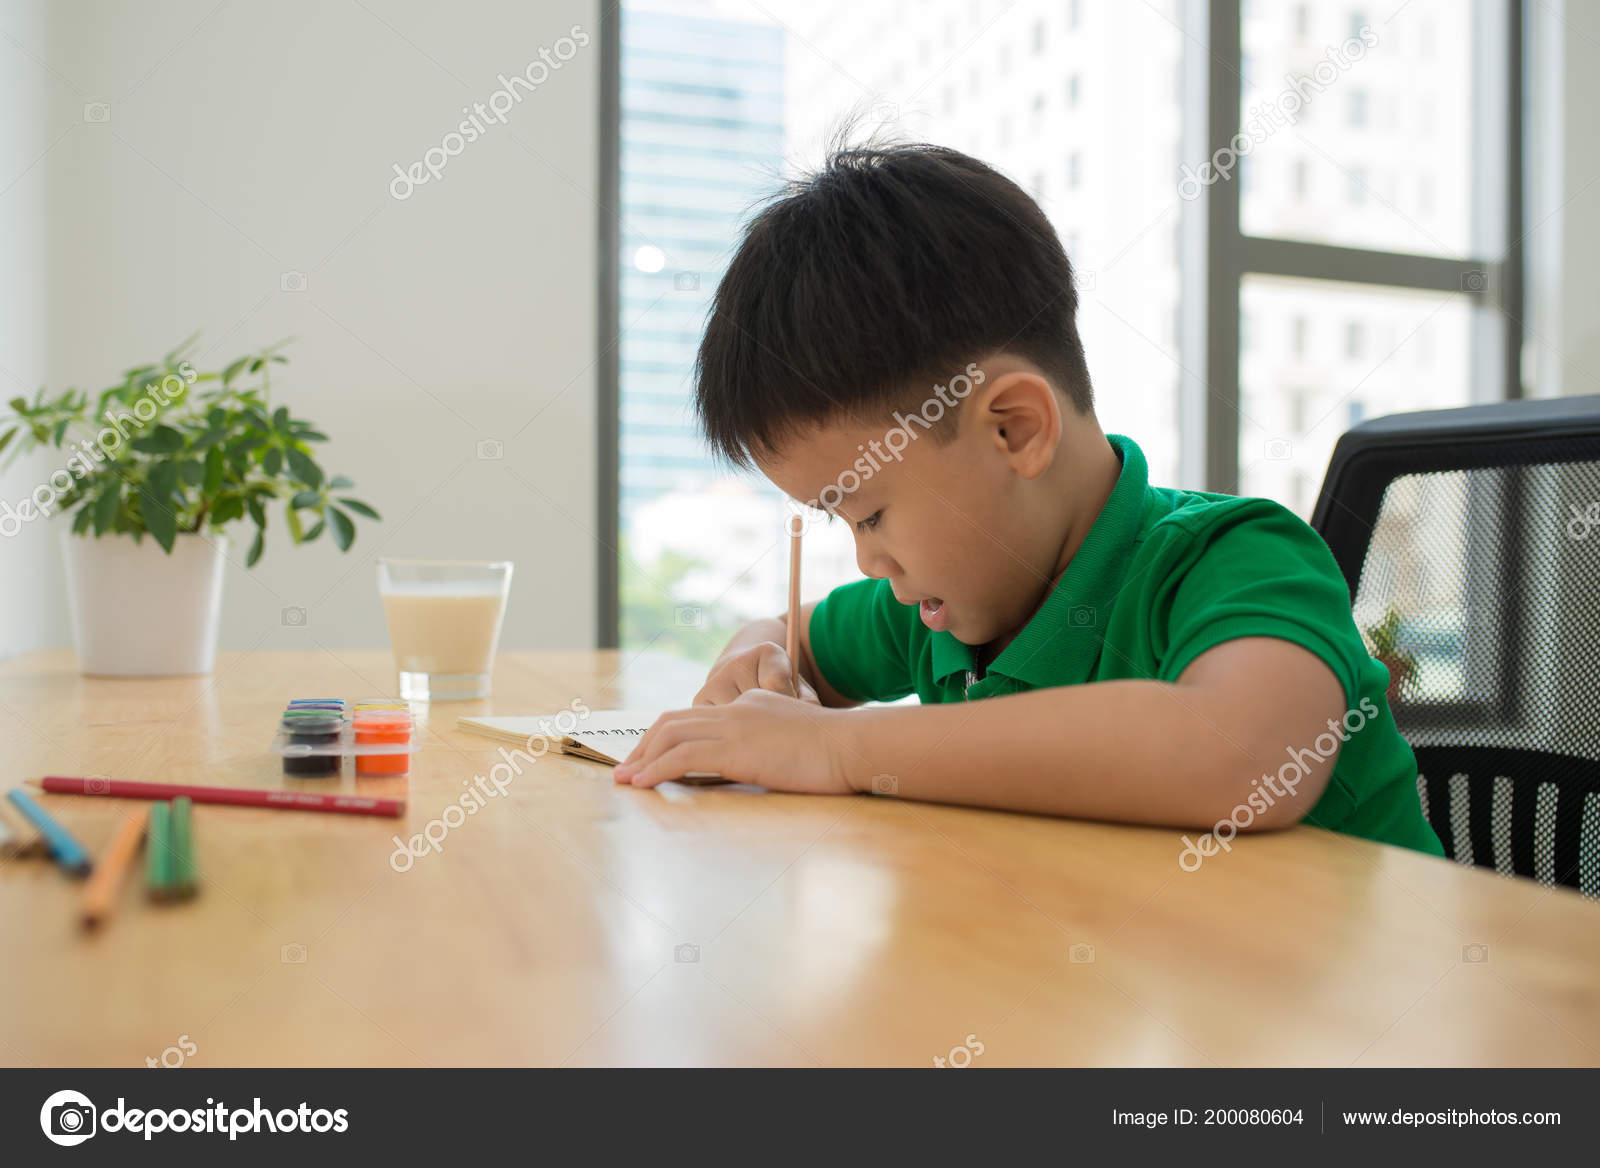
{"points": [[760, 737]]}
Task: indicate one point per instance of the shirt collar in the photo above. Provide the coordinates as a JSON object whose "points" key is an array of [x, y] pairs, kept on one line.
{"points": [[1061, 642]]}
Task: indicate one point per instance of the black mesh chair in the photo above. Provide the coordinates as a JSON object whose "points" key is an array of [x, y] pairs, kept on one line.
{"points": [[1470, 540]]}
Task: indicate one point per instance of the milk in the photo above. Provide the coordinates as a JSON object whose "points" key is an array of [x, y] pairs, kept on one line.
{"points": [[444, 626]]}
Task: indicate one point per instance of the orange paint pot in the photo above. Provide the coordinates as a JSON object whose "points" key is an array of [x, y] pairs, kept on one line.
{"points": [[382, 727]]}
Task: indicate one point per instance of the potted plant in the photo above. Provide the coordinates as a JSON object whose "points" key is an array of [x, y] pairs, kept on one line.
{"points": [[1402, 666], [176, 456]]}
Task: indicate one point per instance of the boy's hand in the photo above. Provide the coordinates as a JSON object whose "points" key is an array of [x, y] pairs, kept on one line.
{"points": [[764, 666], [759, 737]]}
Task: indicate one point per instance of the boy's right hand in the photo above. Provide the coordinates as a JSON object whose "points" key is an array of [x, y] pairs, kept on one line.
{"points": [[762, 666]]}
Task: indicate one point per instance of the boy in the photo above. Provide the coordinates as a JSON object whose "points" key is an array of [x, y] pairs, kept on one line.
{"points": [[1012, 550]]}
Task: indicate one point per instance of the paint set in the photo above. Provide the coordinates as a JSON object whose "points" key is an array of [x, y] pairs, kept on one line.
{"points": [[315, 735]]}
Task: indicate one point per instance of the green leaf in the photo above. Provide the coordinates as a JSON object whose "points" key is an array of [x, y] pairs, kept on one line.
{"points": [[228, 508], [60, 431], [272, 461], [292, 518], [258, 513], [159, 520], [314, 531], [339, 481], [80, 522], [209, 438], [341, 528], [280, 419], [20, 404], [306, 499], [215, 464], [255, 548], [191, 472], [232, 371], [161, 440], [105, 506], [255, 365], [360, 508], [217, 418], [304, 469], [163, 480], [5, 439], [310, 435]]}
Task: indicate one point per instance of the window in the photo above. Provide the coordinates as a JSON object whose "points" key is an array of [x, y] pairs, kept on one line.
{"points": [[1358, 108], [1357, 186], [1393, 184], [1311, 403], [718, 102], [715, 108], [1348, 79]]}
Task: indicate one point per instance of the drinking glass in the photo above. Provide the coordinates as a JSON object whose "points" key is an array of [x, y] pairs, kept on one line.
{"points": [[444, 620]]}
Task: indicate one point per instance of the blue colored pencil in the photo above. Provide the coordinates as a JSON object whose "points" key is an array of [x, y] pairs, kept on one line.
{"points": [[67, 851]]}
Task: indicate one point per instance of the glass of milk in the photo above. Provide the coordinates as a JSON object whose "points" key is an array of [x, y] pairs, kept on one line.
{"points": [[444, 620]]}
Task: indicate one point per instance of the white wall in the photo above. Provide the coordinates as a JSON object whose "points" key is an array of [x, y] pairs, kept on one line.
{"points": [[251, 139]]}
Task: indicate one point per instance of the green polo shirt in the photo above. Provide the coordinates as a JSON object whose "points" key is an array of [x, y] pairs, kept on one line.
{"points": [[1163, 576]]}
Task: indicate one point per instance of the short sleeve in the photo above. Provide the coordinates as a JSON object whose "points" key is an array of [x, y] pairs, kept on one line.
{"points": [[1258, 570], [861, 640]]}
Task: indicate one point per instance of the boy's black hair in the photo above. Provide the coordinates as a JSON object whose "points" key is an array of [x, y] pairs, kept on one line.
{"points": [[860, 287]]}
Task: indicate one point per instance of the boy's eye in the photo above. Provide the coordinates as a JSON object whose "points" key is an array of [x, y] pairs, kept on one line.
{"points": [[870, 522]]}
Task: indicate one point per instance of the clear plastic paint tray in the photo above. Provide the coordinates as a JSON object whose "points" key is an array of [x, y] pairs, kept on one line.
{"points": [[342, 743], [313, 738]]}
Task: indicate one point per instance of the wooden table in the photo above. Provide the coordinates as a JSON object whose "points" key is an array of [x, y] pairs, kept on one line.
{"points": [[569, 922]]}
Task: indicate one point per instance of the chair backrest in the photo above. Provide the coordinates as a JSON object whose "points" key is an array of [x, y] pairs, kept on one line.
{"points": [[1470, 540]]}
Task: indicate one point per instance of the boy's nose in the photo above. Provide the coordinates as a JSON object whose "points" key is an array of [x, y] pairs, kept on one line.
{"points": [[875, 565]]}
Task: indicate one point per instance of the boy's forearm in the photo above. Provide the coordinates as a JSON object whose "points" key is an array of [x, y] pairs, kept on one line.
{"points": [[1128, 751]]}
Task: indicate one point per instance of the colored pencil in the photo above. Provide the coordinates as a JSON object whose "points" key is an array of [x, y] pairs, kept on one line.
{"points": [[158, 856], [18, 836], [100, 894], [183, 865], [66, 850], [792, 639], [238, 796]]}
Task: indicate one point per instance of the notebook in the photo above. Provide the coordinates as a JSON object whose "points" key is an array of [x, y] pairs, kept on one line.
{"points": [[604, 736]]}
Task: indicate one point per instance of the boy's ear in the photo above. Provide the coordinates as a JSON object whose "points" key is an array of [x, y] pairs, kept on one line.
{"points": [[1022, 419]]}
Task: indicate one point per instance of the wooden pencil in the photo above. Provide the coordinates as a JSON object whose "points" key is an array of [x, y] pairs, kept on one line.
{"points": [[792, 637]]}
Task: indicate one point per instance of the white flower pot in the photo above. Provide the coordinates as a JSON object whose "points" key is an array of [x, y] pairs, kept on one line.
{"points": [[137, 611]]}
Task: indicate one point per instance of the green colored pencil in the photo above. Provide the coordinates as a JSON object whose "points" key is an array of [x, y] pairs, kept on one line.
{"points": [[158, 852], [183, 861]]}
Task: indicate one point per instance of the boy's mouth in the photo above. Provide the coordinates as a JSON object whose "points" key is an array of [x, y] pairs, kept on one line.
{"points": [[932, 611]]}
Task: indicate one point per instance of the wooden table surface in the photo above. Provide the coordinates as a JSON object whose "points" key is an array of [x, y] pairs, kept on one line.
{"points": [[569, 922]]}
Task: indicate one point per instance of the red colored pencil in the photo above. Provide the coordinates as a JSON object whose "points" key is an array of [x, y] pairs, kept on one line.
{"points": [[243, 797]]}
